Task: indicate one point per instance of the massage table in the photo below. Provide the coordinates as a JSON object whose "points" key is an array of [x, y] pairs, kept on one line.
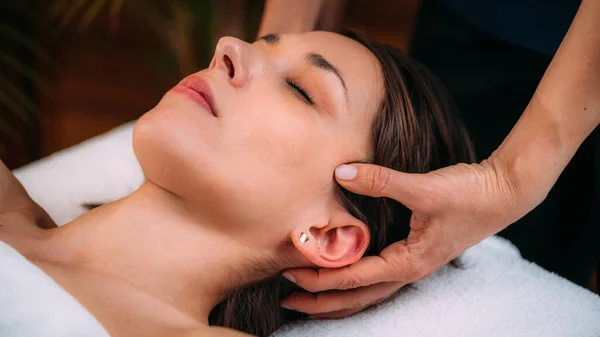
{"points": [[495, 293]]}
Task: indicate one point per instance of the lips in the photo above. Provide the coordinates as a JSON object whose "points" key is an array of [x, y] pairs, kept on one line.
{"points": [[199, 90]]}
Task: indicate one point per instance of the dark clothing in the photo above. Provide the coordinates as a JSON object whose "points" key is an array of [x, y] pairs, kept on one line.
{"points": [[537, 25], [492, 79]]}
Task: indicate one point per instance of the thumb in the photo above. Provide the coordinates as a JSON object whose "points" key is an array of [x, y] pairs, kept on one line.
{"points": [[379, 181]]}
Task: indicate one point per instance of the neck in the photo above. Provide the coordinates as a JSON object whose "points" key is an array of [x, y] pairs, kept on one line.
{"points": [[152, 242]]}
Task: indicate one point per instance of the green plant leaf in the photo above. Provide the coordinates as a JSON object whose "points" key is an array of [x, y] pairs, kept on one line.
{"points": [[70, 13], [14, 106], [25, 71], [9, 132], [91, 13], [23, 40], [13, 91], [57, 8], [115, 14], [66, 10]]}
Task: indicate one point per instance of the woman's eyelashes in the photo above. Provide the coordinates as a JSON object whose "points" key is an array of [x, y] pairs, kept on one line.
{"points": [[299, 90]]}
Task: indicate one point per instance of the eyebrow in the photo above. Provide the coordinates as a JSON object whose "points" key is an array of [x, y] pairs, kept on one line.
{"points": [[270, 39], [315, 59], [319, 61]]}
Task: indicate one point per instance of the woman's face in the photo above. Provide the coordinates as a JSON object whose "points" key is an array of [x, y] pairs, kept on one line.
{"points": [[282, 113]]}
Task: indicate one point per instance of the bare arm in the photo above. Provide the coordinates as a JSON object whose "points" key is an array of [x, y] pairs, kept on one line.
{"points": [[458, 206], [298, 16], [15, 200], [564, 110]]}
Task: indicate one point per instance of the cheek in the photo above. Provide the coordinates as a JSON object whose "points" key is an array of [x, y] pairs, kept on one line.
{"points": [[273, 142], [270, 161], [267, 159], [167, 141]]}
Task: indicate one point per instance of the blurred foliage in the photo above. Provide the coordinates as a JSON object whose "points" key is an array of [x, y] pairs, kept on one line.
{"points": [[185, 28], [16, 71], [174, 22]]}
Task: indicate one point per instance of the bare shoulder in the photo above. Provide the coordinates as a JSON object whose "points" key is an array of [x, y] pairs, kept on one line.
{"points": [[212, 331]]}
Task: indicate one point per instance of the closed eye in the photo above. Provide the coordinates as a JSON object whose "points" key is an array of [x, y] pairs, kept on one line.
{"points": [[300, 91]]}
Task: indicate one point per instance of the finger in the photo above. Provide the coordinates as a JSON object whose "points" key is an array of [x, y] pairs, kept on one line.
{"points": [[411, 260], [337, 300], [336, 314], [379, 181], [430, 249], [346, 312], [366, 271]]}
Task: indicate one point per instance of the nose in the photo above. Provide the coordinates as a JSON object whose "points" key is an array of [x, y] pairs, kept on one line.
{"points": [[236, 58]]}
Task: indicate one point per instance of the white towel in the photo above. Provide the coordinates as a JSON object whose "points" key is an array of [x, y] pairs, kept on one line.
{"points": [[497, 293], [33, 305], [101, 169]]}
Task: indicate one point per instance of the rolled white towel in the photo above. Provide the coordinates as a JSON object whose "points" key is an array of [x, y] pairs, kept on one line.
{"points": [[496, 293]]}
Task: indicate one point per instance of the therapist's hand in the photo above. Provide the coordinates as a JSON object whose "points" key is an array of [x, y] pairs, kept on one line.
{"points": [[458, 206], [453, 209]]}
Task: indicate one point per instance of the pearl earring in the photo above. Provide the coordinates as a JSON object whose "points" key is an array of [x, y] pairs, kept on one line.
{"points": [[303, 237]]}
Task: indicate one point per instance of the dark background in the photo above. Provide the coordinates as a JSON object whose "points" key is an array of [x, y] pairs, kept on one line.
{"points": [[70, 72]]}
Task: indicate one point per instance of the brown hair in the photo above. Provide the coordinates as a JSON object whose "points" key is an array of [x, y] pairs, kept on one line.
{"points": [[418, 129]]}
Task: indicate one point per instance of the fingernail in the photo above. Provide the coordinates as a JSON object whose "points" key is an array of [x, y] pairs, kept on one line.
{"points": [[345, 172], [285, 306], [289, 277]]}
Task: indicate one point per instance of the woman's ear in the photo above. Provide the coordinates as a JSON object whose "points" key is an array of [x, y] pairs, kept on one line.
{"points": [[341, 242]]}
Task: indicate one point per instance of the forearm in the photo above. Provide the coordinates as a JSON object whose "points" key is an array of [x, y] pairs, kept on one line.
{"points": [[331, 17], [564, 110], [15, 199], [290, 16], [12, 193]]}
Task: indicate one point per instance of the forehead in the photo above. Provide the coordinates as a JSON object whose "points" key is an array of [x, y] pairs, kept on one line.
{"points": [[359, 67]]}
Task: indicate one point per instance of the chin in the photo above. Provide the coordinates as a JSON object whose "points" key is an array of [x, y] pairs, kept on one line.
{"points": [[170, 157], [149, 148]]}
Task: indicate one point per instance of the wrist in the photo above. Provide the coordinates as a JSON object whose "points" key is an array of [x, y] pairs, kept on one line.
{"points": [[532, 157]]}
